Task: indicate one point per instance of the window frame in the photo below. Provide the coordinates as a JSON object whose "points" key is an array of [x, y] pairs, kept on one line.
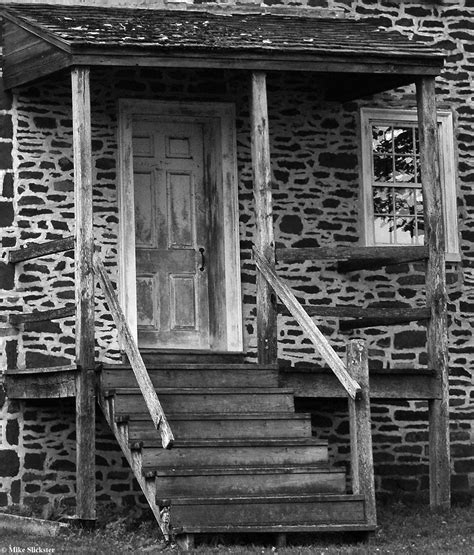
{"points": [[389, 116]]}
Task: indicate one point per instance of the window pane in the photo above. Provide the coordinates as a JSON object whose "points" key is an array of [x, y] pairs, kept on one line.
{"points": [[382, 139], [418, 170], [419, 201], [421, 231], [404, 169], [383, 200], [403, 140], [405, 231], [383, 168], [383, 230], [404, 201]]}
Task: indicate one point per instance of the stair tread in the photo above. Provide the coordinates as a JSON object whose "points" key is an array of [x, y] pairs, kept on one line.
{"points": [[204, 390], [274, 527], [145, 416], [236, 442], [223, 366], [274, 498], [262, 469]]}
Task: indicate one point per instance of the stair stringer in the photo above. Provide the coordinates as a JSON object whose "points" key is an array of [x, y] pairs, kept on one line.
{"points": [[134, 458]]}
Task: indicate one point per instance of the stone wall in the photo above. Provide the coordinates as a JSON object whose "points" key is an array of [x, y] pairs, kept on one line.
{"points": [[315, 164]]}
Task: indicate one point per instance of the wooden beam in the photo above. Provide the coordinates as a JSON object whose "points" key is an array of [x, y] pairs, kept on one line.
{"points": [[362, 463], [264, 240], [308, 326], [25, 73], [381, 313], [373, 255], [42, 383], [314, 382], [436, 297], [41, 315], [326, 62], [36, 250], [40, 370], [403, 257], [412, 315], [85, 386]]}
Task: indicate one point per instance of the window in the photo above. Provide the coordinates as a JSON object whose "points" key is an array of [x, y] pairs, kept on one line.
{"points": [[391, 181]]}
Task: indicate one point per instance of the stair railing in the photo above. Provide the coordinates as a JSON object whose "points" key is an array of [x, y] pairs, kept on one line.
{"points": [[131, 349], [311, 329], [354, 377]]}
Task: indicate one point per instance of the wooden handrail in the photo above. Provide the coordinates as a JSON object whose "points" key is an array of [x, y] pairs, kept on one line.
{"points": [[144, 381], [311, 329]]}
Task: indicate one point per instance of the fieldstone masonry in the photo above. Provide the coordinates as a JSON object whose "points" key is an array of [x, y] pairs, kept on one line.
{"points": [[315, 164]]}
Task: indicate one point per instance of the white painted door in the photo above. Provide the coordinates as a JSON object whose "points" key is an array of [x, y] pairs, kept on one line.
{"points": [[171, 238]]}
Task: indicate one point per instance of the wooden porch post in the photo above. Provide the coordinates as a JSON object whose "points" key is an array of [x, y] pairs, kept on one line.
{"points": [[84, 277], [264, 241], [437, 347], [362, 463]]}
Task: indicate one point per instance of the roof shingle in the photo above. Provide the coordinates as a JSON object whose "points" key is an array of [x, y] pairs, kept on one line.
{"points": [[81, 26]]}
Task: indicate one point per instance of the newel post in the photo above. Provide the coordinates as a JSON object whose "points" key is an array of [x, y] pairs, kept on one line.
{"points": [[84, 278], [264, 241], [436, 297], [362, 464]]}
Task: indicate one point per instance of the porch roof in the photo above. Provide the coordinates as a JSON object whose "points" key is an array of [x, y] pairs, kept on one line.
{"points": [[40, 39]]}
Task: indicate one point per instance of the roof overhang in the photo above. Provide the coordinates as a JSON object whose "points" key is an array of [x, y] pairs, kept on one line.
{"points": [[39, 40]]}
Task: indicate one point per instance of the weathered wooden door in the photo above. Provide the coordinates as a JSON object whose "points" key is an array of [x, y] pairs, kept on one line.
{"points": [[171, 238]]}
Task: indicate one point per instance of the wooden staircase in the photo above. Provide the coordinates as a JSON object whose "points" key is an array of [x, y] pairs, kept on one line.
{"points": [[242, 460]]}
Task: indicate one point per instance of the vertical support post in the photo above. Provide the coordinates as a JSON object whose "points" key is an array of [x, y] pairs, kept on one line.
{"points": [[280, 541], [264, 241], [84, 277], [436, 298], [362, 464], [185, 542]]}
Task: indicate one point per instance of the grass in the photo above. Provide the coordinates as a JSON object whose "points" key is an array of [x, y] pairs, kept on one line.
{"points": [[402, 529]]}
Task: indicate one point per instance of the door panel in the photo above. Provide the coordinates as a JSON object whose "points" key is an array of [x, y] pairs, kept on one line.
{"points": [[145, 232], [183, 302], [181, 208], [170, 227]]}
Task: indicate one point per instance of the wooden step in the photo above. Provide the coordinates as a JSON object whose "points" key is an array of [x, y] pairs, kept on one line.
{"points": [[260, 480], [196, 400], [160, 356], [284, 424], [236, 452], [266, 513], [194, 375]]}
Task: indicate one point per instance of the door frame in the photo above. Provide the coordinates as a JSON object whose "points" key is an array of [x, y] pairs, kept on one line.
{"points": [[226, 335]]}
